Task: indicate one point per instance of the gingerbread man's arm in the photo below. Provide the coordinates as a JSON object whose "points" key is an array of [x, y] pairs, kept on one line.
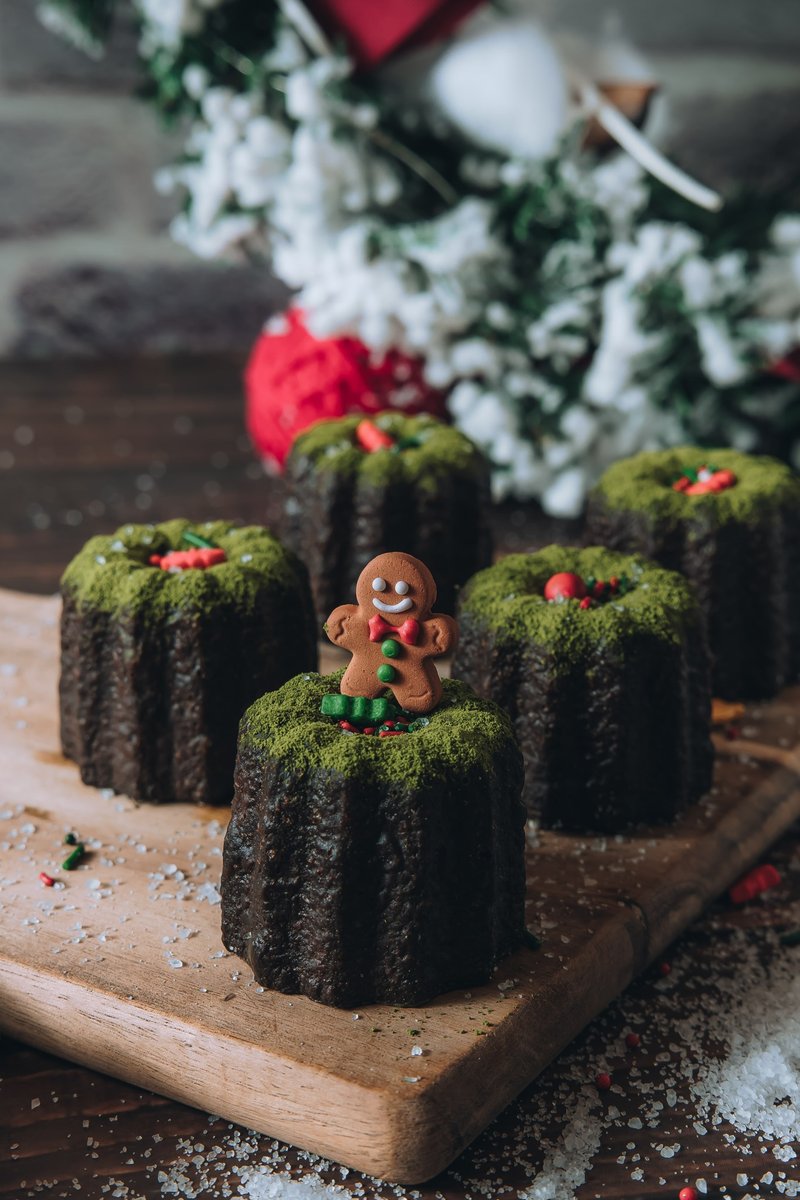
{"points": [[441, 633], [344, 628]]}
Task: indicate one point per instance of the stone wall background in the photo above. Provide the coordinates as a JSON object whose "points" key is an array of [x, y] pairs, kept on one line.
{"points": [[86, 263]]}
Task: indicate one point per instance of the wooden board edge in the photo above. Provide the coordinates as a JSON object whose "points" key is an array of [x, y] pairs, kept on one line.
{"points": [[512, 1053], [406, 1134], [37, 1005], [742, 836]]}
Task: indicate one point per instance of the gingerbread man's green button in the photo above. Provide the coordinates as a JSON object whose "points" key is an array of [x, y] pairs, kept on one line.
{"points": [[385, 673], [390, 648]]}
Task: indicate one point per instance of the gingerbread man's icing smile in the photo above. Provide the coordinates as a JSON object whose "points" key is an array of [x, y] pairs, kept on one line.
{"points": [[390, 653], [401, 587]]}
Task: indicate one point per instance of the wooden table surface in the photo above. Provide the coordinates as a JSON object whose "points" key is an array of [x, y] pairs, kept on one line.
{"points": [[85, 447]]}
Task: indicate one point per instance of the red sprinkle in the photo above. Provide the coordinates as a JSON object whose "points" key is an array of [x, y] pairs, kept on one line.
{"points": [[46, 879], [598, 589], [614, 582], [185, 560], [371, 438], [369, 729], [632, 1040], [391, 732], [760, 879], [687, 1193], [732, 732], [664, 968], [603, 1081], [586, 602], [350, 728]]}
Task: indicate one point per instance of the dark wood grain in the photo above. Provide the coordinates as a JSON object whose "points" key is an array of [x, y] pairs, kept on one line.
{"points": [[86, 447], [149, 440]]}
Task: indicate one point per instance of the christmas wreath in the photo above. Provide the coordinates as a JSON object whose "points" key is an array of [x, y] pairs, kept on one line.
{"points": [[571, 307]]}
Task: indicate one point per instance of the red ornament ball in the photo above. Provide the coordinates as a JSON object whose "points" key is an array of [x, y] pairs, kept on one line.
{"points": [[293, 379], [565, 585], [603, 1081], [632, 1040]]}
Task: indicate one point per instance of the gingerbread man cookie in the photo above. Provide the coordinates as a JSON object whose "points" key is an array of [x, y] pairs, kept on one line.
{"points": [[392, 633]]}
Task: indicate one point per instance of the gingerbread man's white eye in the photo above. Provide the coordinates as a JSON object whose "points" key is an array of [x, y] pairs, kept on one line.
{"points": [[379, 585], [401, 587]]}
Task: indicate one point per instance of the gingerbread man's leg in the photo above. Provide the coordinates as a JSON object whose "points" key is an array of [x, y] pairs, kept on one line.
{"points": [[418, 688], [360, 679]]}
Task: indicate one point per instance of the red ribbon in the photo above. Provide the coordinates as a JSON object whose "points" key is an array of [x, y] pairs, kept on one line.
{"points": [[408, 632], [374, 29]]}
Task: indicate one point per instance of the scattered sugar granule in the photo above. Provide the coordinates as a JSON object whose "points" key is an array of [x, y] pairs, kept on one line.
{"points": [[568, 1158]]}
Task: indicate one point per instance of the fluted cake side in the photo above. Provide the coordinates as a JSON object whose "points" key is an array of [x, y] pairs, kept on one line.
{"points": [[364, 870], [739, 547], [157, 667], [610, 703], [428, 494]]}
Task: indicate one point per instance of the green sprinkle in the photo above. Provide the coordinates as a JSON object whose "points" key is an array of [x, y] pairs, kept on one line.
{"points": [[414, 1032], [359, 709], [335, 705], [195, 539], [72, 860], [792, 938], [70, 840]]}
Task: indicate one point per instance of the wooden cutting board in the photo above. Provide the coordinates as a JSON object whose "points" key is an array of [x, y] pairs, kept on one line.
{"points": [[122, 968]]}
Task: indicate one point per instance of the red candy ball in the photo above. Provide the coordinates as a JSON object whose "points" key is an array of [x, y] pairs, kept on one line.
{"points": [[632, 1040], [294, 379], [687, 1193], [566, 585], [603, 1081]]}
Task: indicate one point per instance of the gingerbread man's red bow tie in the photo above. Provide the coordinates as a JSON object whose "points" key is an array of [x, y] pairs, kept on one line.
{"points": [[408, 632]]}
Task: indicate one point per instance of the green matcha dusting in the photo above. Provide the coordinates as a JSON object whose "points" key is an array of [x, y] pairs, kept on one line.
{"points": [[644, 484], [112, 574], [508, 600], [463, 732], [441, 451]]}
